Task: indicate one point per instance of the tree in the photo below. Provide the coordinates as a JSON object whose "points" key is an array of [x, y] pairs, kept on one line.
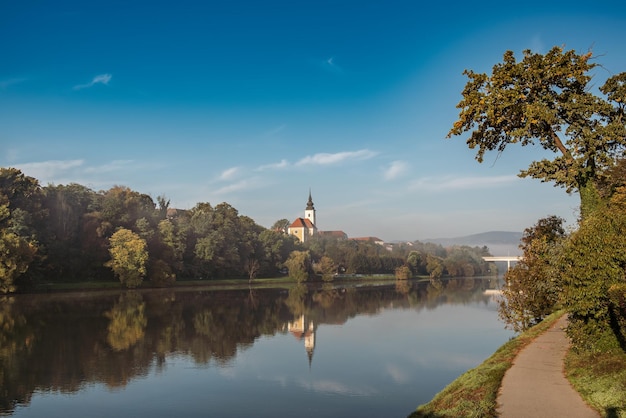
{"points": [[593, 262], [299, 265], [281, 225], [129, 256], [16, 254], [533, 285], [546, 99], [326, 267]]}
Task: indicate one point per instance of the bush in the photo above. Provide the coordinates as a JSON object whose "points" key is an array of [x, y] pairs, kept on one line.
{"points": [[617, 311], [403, 273], [593, 262]]}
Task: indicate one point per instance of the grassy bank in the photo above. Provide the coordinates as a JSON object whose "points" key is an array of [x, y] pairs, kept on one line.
{"points": [[600, 378], [474, 393]]}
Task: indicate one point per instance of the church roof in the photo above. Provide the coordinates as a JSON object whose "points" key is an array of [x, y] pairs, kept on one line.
{"points": [[302, 223]]}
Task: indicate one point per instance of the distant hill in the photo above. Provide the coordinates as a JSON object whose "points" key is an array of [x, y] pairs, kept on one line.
{"points": [[498, 242]]}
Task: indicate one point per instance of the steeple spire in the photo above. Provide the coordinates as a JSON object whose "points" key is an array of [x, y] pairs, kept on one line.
{"points": [[309, 204], [309, 213]]}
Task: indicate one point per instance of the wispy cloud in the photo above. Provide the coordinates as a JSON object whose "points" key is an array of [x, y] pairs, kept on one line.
{"points": [[112, 166], [99, 79], [274, 131], [47, 170], [236, 187], [336, 158], [331, 65], [396, 169], [229, 173], [4, 84], [461, 183], [275, 166]]}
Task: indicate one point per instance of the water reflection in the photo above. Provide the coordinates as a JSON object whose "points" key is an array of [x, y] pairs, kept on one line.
{"points": [[66, 342]]}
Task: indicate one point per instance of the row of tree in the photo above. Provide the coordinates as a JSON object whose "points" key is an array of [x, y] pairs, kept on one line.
{"points": [[62, 233]]}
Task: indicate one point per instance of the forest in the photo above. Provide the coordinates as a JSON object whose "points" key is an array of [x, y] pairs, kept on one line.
{"points": [[70, 233]]}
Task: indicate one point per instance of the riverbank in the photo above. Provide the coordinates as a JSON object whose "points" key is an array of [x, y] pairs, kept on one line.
{"points": [[601, 380], [215, 283]]}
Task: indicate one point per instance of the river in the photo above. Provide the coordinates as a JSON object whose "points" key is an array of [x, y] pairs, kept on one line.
{"points": [[356, 349]]}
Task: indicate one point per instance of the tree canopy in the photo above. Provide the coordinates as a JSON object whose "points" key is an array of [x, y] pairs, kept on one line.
{"points": [[546, 100]]}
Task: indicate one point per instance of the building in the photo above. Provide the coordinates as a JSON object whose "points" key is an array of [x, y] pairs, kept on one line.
{"points": [[304, 228]]}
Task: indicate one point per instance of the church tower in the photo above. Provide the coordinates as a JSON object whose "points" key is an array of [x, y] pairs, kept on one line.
{"points": [[309, 213]]}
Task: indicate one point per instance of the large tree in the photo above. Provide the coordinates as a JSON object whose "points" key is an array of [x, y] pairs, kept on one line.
{"points": [[129, 256], [546, 99]]}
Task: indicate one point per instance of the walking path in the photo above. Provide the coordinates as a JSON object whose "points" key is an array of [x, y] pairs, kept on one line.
{"points": [[535, 386]]}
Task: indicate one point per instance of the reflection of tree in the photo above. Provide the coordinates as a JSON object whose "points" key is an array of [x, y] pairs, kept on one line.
{"points": [[16, 340], [127, 321], [403, 287], [113, 339], [295, 299]]}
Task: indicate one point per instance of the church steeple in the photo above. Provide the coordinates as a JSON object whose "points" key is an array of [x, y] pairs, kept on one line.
{"points": [[309, 204], [309, 213]]}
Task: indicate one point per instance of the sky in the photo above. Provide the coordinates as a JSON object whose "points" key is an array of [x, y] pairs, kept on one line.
{"points": [[257, 103]]}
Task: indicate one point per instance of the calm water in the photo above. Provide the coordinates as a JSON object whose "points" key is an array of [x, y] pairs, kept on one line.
{"points": [[332, 351]]}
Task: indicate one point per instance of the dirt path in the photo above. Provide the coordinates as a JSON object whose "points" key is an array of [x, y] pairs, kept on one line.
{"points": [[535, 386]]}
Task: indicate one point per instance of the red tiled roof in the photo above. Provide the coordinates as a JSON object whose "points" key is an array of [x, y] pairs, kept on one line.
{"points": [[302, 223]]}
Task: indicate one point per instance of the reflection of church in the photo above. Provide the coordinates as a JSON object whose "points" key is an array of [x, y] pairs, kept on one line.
{"points": [[304, 328]]}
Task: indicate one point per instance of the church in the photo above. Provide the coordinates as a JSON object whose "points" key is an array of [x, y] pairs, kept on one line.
{"points": [[305, 228]]}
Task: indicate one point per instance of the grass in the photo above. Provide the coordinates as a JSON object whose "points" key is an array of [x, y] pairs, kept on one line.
{"points": [[600, 378], [474, 393]]}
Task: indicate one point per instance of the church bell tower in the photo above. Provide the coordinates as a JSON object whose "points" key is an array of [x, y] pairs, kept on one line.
{"points": [[309, 213]]}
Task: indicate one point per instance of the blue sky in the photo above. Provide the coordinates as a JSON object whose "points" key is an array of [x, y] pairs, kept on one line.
{"points": [[254, 103]]}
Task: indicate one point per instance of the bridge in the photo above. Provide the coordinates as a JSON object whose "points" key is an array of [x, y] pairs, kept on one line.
{"points": [[508, 258]]}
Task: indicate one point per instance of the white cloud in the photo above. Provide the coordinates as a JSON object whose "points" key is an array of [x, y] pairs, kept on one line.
{"points": [[235, 187], [276, 166], [462, 183], [396, 169], [46, 171], [114, 165], [327, 158], [99, 79], [230, 173]]}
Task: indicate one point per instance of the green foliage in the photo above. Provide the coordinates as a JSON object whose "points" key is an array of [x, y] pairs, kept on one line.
{"points": [[533, 288], [326, 267], [16, 254], [403, 273], [547, 100], [129, 256], [617, 311], [299, 265], [594, 261]]}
